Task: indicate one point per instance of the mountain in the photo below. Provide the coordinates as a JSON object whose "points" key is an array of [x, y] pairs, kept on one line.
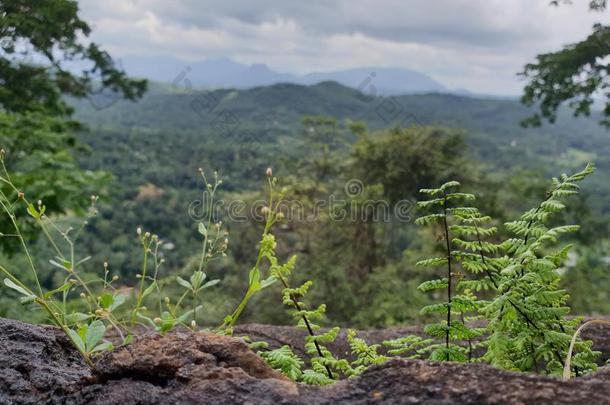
{"points": [[375, 80], [225, 73]]}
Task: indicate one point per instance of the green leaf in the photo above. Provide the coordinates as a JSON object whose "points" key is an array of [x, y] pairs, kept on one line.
{"points": [[10, 284], [197, 278], [118, 301], [433, 285], [62, 288], [149, 289], [184, 283], [436, 261], [27, 300], [210, 283], [95, 333], [64, 266], [76, 317], [268, 281], [128, 339], [33, 212], [106, 346], [77, 340], [106, 300]]}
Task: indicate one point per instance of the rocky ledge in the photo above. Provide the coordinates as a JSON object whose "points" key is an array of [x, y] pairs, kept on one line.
{"points": [[38, 365]]}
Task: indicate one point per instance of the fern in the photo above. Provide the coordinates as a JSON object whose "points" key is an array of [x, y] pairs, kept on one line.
{"points": [[284, 360], [322, 360], [366, 355], [410, 347], [528, 323], [451, 330]]}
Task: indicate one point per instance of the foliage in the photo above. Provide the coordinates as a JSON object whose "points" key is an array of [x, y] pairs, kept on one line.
{"points": [[266, 252], [444, 199], [101, 305], [52, 31], [528, 321], [527, 314], [574, 75], [41, 44]]}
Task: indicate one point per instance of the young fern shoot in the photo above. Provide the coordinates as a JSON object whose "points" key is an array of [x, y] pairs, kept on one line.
{"points": [[440, 199]]}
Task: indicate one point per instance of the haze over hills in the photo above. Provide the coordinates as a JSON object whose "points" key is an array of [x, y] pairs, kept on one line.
{"points": [[225, 73]]}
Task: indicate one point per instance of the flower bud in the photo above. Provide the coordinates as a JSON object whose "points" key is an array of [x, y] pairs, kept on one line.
{"points": [[115, 278], [269, 172], [193, 324], [139, 231], [158, 320]]}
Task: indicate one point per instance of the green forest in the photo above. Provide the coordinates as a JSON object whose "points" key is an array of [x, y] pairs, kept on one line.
{"points": [[131, 204], [148, 154]]}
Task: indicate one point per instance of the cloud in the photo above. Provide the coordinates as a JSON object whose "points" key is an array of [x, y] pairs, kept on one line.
{"points": [[475, 44]]}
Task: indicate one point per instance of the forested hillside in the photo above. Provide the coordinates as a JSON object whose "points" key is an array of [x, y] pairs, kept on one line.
{"points": [[153, 149]]}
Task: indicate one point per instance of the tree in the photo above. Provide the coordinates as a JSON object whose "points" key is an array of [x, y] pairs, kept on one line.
{"points": [[41, 41], [573, 75], [51, 32]]}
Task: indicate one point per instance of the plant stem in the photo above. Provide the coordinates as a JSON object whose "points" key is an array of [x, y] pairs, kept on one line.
{"points": [[64, 328], [449, 273], [308, 325], [141, 288]]}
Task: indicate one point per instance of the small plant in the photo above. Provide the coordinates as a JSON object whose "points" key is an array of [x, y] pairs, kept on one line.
{"points": [[266, 252], [527, 317], [101, 306], [453, 328], [83, 329], [527, 325], [366, 355]]}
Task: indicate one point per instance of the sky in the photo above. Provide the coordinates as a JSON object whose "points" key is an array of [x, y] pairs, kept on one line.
{"points": [[477, 45]]}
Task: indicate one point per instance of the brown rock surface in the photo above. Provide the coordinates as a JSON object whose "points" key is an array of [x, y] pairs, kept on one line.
{"points": [[37, 365], [36, 362]]}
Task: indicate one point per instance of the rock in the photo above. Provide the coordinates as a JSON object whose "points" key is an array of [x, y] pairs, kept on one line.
{"points": [[422, 382], [38, 365]]}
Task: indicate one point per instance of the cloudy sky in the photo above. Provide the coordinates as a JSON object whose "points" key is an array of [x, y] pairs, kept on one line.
{"points": [[477, 45]]}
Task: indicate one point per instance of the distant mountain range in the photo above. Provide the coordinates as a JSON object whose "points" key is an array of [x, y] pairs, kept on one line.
{"points": [[225, 73]]}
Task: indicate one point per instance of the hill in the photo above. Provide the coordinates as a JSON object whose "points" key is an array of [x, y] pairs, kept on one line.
{"points": [[226, 73]]}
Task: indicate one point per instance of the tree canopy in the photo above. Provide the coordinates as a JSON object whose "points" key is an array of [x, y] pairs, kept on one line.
{"points": [[39, 40], [45, 58], [577, 75]]}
